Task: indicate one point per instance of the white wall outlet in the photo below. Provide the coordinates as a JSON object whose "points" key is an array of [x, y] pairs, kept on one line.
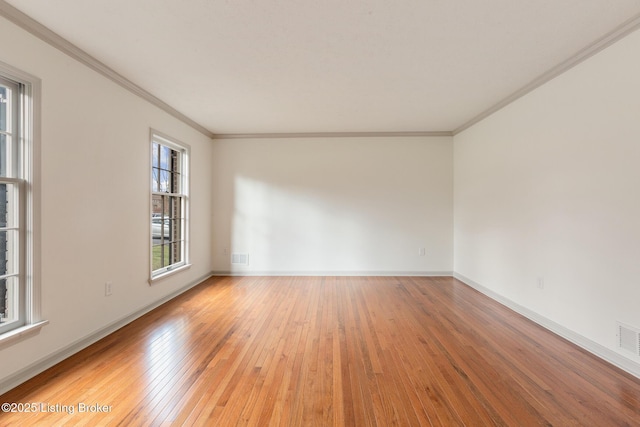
{"points": [[108, 289], [421, 251], [540, 282]]}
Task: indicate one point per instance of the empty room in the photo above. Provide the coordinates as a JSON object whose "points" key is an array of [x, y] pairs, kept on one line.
{"points": [[347, 213]]}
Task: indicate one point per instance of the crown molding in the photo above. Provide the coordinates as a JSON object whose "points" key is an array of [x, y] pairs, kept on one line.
{"points": [[43, 33], [602, 43], [329, 134], [35, 28]]}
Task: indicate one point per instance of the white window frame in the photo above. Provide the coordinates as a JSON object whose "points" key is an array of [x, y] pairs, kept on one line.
{"points": [[184, 151], [26, 179]]}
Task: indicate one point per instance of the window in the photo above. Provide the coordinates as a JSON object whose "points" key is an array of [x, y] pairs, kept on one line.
{"points": [[169, 205], [12, 289], [19, 260]]}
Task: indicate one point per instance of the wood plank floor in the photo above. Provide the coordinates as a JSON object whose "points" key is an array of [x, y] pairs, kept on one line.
{"points": [[356, 351]]}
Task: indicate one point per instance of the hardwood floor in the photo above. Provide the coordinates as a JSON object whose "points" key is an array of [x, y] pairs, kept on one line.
{"points": [[325, 351]]}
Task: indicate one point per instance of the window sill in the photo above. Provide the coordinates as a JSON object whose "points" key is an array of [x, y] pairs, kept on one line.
{"points": [[10, 337], [159, 277]]}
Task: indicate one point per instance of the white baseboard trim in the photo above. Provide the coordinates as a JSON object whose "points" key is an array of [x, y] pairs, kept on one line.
{"points": [[334, 273], [593, 347], [47, 362]]}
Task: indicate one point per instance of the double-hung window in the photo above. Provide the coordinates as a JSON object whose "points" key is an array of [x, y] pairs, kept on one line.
{"points": [[12, 290], [169, 205], [19, 293]]}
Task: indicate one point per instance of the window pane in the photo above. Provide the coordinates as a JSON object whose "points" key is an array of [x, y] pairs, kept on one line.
{"points": [[4, 205], [160, 230], [5, 140], [172, 187], [164, 157], [8, 240], [155, 186], [4, 110], [9, 300], [175, 169], [159, 256], [4, 126], [157, 206], [4, 255], [155, 150], [175, 252], [8, 205], [164, 181], [175, 230], [174, 207]]}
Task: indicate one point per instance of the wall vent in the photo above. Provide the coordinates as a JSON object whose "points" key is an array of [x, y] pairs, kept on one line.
{"points": [[240, 259], [629, 338]]}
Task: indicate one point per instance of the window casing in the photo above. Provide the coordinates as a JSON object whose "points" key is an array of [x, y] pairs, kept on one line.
{"points": [[19, 204], [169, 205]]}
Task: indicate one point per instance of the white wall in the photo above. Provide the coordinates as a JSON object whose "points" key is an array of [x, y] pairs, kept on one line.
{"points": [[549, 187], [95, 199], [334, 205]]}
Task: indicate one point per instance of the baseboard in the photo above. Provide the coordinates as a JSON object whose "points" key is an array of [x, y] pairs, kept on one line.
{"points": [[334, 273], [593, 347], [47, 362]]}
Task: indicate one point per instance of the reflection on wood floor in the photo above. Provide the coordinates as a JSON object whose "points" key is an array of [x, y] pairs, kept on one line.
{"points": [[359, 351]]}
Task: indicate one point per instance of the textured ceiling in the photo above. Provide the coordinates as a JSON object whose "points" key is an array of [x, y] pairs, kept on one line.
{"points": [[272, 66]]}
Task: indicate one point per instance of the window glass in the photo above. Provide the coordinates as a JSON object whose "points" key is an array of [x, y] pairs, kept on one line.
{"points": [[4, 111], [168, 206], [5, 128]]}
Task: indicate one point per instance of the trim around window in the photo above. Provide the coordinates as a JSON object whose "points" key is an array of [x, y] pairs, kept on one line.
{"points": [[28, 176], [169, 218], [158, 277]]}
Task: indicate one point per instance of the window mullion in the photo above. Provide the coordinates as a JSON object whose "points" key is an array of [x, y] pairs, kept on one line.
{"points": [[155, 193]]}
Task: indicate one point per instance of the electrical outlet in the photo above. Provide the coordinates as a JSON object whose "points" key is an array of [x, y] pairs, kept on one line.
{"points": [[108, 289], [421, 251], [540, 282]]}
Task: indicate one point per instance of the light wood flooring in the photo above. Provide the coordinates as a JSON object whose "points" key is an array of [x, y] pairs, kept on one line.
{"points": [[331, 351]]}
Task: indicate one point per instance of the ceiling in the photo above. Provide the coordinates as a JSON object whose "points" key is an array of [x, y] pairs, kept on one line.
{"points": [[324, 66]]}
